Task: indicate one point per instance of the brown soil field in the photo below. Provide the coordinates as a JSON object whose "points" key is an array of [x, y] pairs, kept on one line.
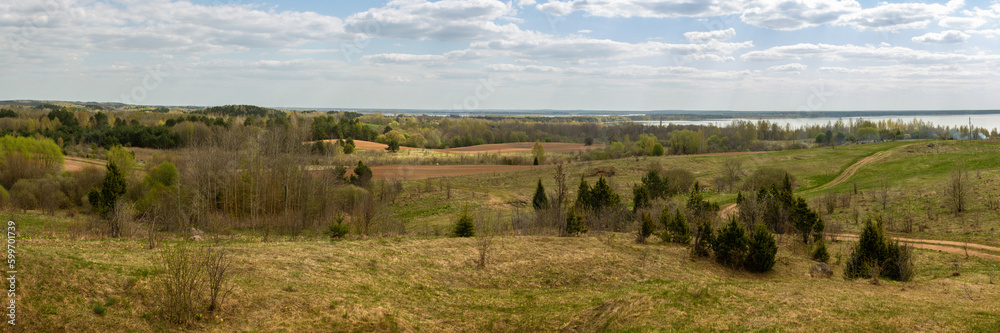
{"points": [[78, 164], [521, 147], [415, 172]]}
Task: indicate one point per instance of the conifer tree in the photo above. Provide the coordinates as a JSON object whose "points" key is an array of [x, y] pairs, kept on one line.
{"points": [[540, 201]]}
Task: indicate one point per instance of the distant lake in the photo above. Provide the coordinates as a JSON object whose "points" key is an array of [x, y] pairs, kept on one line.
{"points": [[987, 121]]}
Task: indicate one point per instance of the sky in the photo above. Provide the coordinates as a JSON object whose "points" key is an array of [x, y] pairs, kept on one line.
{"points": [[753, 55]]}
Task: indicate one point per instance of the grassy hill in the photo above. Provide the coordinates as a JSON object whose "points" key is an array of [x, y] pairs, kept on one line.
{"points": [[599, 282]]}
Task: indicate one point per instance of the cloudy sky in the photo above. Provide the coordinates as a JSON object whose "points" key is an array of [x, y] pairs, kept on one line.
{"points": [[522, 54]]}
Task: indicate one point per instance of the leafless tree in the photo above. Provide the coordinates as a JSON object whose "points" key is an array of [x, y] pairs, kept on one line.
{"points": [[734, 170], [882, 193], [957, 190]]}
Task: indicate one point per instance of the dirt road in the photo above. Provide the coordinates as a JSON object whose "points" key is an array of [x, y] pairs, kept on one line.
{"points": [[959, 248]]}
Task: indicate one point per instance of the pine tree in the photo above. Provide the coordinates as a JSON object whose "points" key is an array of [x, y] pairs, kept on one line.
{"points": [[541, 201], [602, 195], [761, 250], [103, 200]]}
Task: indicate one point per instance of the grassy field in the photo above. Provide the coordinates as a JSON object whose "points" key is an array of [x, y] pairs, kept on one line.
{"points": [[599, 282], [529, 284]]}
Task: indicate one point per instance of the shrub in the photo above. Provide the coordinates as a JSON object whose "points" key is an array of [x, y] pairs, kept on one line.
{"points": [[640, 198], [676, 228], [761, 250], [766, 177], [465, 226], [731, 245], [657, 149], [574, 224], [677, 180], [877, 256], [98, 309], [646, 228], [362, 175], [703, 240], [180, 285], [820, 254]]}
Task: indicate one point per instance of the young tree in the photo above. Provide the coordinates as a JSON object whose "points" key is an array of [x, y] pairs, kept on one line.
{"points": [[761, 250], [676, 229], [540, 201], [876, 256], [733, 170], [103, 201], [348, 146], [703, 240], [804, 219], [583, 196], [731, 245], [640, 198], [957, 190], [539, 152], [646, 228], [657, 186], [362, 175], [574, 224], [657, 149], [393, 146], [602, 195], [465, 227]]}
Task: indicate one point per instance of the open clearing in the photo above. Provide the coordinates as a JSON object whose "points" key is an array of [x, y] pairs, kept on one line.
{"points": [[78, 164], [416, 172]]}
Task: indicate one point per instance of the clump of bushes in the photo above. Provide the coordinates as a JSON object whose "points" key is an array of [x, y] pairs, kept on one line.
{"points": [[675, 229], [876, 256]]}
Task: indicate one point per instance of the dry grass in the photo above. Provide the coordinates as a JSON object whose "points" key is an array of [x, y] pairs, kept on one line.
{"points": [[531, 284]]}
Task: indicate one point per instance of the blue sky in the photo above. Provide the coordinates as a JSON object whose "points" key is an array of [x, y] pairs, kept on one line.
{"points": [[804, 55]]}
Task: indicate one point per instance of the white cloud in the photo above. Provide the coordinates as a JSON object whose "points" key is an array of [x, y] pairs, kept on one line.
{"points": [[899, 16], [796, 14], [788, 68], [944, 37], [704, 37], [445, 20], [163, 26], [643, 8], [399, 58], [961, 22], [994, 33], [545, 47], [883, 52]]}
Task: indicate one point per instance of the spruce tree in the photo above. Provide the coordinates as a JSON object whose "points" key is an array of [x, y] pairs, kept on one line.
{"points": [[465, 227], [540, 201], [583, 197], [820, 254]]}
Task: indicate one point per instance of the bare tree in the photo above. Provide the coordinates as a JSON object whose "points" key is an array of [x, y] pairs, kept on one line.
{"points": [[882, 193], [957, 190], [488, 229], [733, 169]]}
